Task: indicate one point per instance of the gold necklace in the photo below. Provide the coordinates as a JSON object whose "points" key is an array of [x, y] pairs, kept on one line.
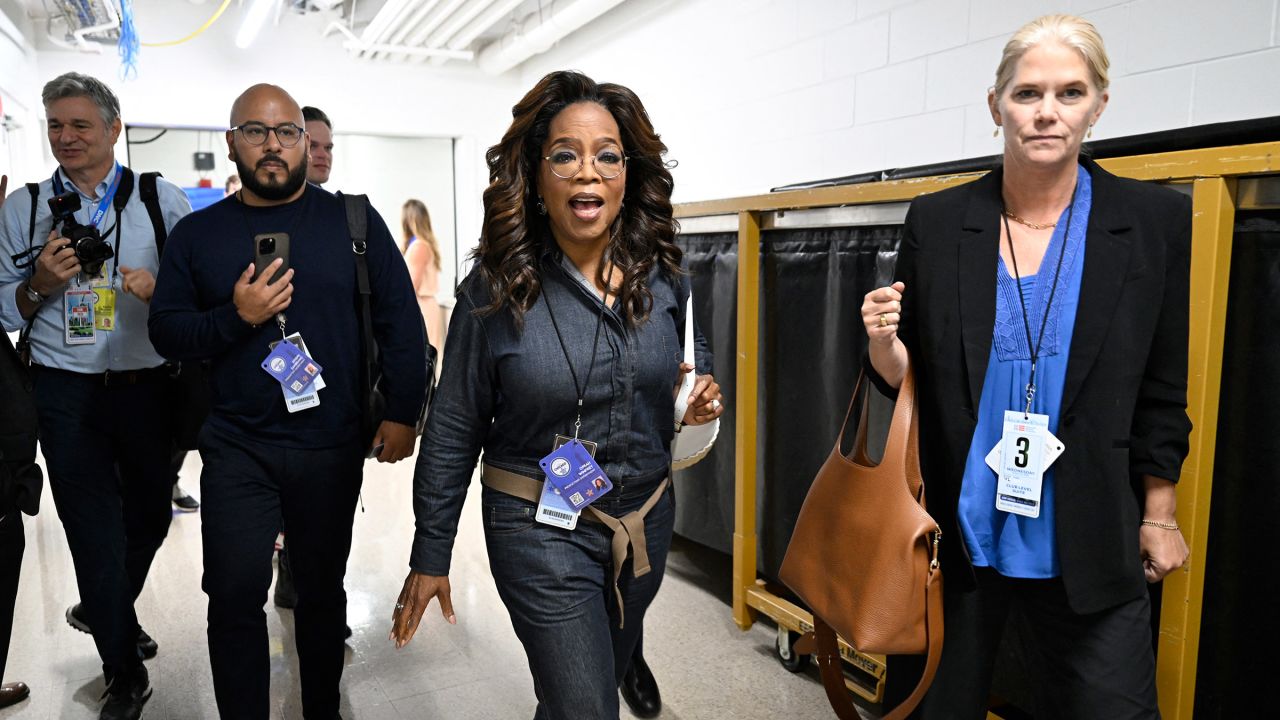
{"points": [[1028, 223]]}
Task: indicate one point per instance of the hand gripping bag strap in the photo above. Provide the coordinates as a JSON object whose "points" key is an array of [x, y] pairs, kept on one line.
{"points": [[880, 588]]}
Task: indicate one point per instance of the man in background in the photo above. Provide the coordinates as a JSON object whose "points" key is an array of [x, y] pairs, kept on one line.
{"points": [[273, 452], [320, 130]]}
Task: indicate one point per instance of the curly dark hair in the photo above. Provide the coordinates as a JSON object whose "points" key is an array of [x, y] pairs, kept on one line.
{"points": [[514, 233]]}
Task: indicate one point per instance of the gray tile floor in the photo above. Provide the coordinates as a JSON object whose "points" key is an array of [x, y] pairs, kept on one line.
{"points": [[706, 667]]}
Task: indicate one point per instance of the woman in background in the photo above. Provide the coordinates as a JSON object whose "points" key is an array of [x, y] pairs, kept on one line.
{"points": [[423, 257]]}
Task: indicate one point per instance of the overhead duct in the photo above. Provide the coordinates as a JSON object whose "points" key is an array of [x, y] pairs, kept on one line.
{"points": [[538, 32], [84, 18]]}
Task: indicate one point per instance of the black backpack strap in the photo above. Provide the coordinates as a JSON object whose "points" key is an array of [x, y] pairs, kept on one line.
{"points": [[34, 190], [357, 209], [123, 192], [24, 336], [151, 199]]}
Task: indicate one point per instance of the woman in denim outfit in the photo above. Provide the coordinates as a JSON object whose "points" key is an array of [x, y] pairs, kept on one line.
{"points": [[573, 312]]}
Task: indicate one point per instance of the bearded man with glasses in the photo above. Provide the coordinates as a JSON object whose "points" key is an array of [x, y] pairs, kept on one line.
{"points": [[274, 451]]}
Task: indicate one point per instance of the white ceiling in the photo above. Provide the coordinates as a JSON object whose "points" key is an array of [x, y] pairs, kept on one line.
{"points": [[424, 32]]}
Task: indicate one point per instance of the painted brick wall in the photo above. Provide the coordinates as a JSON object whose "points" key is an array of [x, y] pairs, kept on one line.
{"points": [[751, 94]]}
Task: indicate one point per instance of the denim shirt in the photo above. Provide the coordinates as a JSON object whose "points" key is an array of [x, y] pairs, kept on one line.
{"points": [[509, 393]]}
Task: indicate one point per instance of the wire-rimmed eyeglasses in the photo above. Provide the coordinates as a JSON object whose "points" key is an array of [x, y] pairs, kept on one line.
{"points": [[565, 164]]}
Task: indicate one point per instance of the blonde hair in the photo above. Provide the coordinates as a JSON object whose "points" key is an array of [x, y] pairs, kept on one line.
{"points": [[415, 222], [1073, 32]]}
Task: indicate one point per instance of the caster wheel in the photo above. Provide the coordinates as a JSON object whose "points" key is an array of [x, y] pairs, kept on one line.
{"points": [[785, 647]]}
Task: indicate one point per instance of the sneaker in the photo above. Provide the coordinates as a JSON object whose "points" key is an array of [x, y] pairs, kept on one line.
{"points": [[185, 502], [77, 619], [126, 696]]}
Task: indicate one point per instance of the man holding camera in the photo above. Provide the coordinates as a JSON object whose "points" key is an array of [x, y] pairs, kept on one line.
{"points": [[264, 283], [78, 261]]}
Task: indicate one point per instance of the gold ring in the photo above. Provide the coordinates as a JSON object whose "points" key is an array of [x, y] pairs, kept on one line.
{"points": [[884, 322]]}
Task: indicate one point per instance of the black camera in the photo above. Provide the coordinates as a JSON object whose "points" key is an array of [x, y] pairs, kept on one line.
{"points": [[91, 250]]}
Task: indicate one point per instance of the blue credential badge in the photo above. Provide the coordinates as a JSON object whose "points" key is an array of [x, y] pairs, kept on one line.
{"points": [[291, 367], [576, 475]]}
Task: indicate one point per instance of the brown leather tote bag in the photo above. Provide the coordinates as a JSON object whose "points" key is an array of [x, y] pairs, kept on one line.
{"points": [[864, 555]]}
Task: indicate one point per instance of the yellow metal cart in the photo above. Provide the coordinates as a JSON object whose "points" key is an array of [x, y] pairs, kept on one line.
{"points": [[1220, 181]]}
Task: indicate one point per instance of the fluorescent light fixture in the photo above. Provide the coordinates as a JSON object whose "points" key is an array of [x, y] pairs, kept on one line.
{"points": [[253, 22]]}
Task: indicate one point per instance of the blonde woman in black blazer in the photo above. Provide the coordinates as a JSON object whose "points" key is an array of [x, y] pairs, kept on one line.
{"points": [[1051, 257]]}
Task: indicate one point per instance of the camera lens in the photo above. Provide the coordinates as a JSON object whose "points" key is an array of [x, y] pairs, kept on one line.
{"points": [[266, 246]]}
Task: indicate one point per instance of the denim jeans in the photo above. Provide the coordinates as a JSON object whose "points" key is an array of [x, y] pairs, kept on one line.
{"points": [[558, 588], [248, 489]]}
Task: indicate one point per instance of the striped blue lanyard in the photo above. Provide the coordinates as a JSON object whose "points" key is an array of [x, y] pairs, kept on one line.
{"points": [[101, 209]]}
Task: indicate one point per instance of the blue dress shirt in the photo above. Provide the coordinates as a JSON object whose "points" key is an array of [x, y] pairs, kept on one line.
{"points": [[125, 348], [1013, 545]]}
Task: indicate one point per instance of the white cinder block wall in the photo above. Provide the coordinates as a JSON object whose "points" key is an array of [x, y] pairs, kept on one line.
{"points": [[751, 94]]}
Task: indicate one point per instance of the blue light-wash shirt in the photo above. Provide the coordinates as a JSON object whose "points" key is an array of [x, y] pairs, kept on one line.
{"points": [[1013, 545], [125, 348]]}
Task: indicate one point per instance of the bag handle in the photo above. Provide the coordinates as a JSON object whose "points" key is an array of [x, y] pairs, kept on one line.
{"points": [[900, 440], [829, 663]]}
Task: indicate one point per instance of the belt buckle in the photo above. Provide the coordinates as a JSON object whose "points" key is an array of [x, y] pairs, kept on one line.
{"points": [[106, 379]]}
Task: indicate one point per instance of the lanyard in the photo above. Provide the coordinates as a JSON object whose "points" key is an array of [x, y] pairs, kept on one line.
{"points": [[1044, 321], [101, 208], [281, 319], [595, 344]]}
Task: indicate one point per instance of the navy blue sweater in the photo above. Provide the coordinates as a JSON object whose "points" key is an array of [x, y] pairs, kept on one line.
{"points": [[193, 317]]}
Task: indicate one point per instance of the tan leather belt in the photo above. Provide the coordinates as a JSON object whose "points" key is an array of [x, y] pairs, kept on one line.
{"points": [[628, 530]]}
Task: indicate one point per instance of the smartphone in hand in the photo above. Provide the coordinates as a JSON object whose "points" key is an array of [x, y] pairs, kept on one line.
{"points": [[266, 248]]}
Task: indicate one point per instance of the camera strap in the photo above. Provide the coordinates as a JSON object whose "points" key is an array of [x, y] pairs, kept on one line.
{"points": [[108, 198]]}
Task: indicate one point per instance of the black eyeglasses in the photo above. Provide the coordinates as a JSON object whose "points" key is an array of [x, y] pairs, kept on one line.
{"points": [[255, 133]]}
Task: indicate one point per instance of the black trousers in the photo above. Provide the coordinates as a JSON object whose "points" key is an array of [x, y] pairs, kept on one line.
{"points": [[12, 543], [107, 452], [248, 489], [1080, 666]]}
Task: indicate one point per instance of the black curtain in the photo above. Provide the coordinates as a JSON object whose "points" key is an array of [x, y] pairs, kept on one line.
{"points": [[811, 346], [1240, 627], [811, 288], [704, 492]]}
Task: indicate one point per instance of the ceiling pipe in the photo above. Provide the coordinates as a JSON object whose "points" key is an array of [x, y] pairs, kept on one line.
{"points": [[377, 29], [423, 32], [423, 13], [538, 32], [410, 50], [478, 26], [457, 22]]}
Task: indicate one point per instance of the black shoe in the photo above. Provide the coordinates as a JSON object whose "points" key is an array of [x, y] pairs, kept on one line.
{"points": [[185, 502], [640, 690], [286, 595], [348, 635], [126, 696], [76, 618]]}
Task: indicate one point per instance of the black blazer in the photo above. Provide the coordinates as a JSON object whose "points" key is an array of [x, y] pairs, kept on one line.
{"points": [[20, 478], [1125, 394]]}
